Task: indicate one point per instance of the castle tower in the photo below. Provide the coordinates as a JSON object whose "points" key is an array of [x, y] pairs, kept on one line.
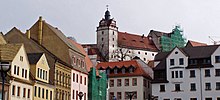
{"points": [[107, 36]]}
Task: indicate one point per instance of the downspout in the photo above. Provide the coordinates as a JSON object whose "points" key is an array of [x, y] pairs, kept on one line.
{"points": [[200, 83]]}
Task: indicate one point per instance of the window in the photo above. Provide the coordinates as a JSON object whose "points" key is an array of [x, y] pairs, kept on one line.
{"points": [[145, 82], [218, 98], [193, 98], [144, 59], [13, 90], [172, 74], [115, 71], [25, 74], [152, 54], [118, 82], [208, 98], [18, 71], [28, 96], [46, 94], [40, 73], [102, 32], [18, 91], [111, 95], [80, 79], [76, 78], [24, 92], [135, 95], [207, 86], [145, 53], [43, 74], [123, 70], [111, 83], [217, 72], [162, 88], [42, 92], [181, 61], [217, 85], [73, 94], [217, 59], [39, 92], [102, 39], [21, 58], [51, 95], [84, 80], [113, 39], [15, 69], [131, 69], [139, 52], [134, 81], [22, 72], [73, 77], [126, 82], [119, 95], [192, 73], [181, 74], [177, 87], [193, 87], [171, 62], [207, 73], [176, 74], [84, 96], [35, 91]]}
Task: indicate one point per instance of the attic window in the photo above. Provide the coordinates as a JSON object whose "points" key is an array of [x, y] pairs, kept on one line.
{"points": [[131, 69], [107, 71], [115, 71], [134, 40], [123, 70], [176, 52]]}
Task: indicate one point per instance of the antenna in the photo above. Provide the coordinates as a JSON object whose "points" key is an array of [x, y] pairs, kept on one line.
{"points": [[215, 42]]}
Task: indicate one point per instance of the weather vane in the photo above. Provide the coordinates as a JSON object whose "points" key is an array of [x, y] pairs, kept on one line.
{"points": [[107, 7]]}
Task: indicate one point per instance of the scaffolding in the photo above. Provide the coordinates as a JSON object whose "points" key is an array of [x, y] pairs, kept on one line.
{"points": [[172, 40]]}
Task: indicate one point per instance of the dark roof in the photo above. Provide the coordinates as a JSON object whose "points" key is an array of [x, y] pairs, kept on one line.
{"points": [[127, 40], [200, 51], [160, 56], [34, 57], [161, 65]]}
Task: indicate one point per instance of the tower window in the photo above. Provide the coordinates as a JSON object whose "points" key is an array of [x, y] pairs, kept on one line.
{"points": [[113, 39], [102, 45], [113, 33], [102, 32], [113, 45], [102, 39]]}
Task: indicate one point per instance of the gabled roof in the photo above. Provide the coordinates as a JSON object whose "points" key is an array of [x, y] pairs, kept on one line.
{"points": [[127, 40], [62, 37], [34, 57], [194, 43], [2, 40], [9, 51], [138, 71]]}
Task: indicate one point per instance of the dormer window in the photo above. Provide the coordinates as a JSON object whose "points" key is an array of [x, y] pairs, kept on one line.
{"points": [[131, 69], [107, 71], [116, 71], [123, 70], [193, 62]]}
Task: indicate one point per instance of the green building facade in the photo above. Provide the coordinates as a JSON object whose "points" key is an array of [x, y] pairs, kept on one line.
{"points": [[97, 85]]}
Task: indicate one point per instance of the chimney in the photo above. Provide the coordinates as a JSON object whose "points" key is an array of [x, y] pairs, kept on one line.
{"points": [[28, 33], [40, 30]]}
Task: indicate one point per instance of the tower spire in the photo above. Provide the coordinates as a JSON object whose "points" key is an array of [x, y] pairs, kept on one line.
{"points": [[107, 13]]}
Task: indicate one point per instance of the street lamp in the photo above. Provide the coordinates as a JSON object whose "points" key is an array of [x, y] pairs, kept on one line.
{"points": [[4, 68], [130, 94], [80, 95]]}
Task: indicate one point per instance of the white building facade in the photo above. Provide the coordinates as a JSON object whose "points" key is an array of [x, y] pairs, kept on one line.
{"points": [[190, 73]]}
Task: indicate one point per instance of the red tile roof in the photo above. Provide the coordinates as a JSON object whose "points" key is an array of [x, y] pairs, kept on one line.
{"points": [[194, 43], [135, 42], [138, 69]]}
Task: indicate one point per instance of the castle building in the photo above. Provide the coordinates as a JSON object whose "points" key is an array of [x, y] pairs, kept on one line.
{"points": [[189, 73], [115, 45]]}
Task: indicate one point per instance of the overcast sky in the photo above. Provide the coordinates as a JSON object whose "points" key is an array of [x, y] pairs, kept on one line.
{"points": [[79, 18]]}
